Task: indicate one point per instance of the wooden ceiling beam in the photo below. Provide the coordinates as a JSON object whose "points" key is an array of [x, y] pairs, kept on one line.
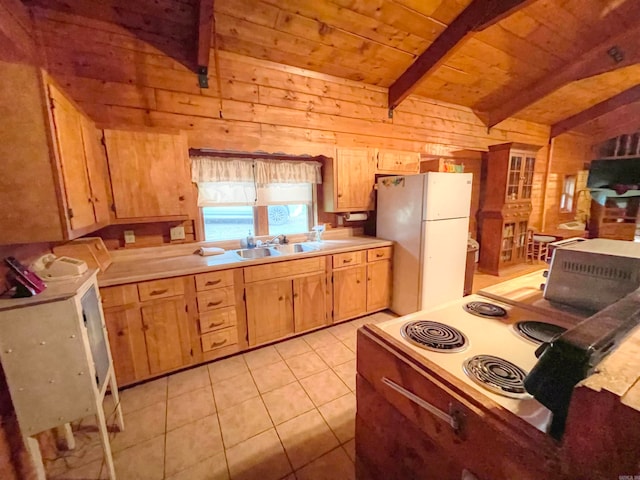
{"points": [[618, 52], [628, 96], [478, 15], [205, 32], [624, 120]]}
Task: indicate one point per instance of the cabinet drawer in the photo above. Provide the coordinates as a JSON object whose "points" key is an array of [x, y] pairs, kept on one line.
{"points": [[207, 281], [168, 287], [283, 269], [217, 298], [119, 295], [215, 340], [381, 253], [217, 319], [348, 259]]}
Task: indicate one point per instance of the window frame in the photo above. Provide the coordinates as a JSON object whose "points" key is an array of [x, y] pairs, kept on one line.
{"points": [[568, 193]]}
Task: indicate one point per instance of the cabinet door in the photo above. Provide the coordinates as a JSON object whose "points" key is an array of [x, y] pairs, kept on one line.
{"points": [[394, 161], [378, 285], [148, 173], [165, 323], [68, 133], [269, 311], [96, 169], [355, 179], [128, 348], [349, 293], [309, 302], [526, 188]]}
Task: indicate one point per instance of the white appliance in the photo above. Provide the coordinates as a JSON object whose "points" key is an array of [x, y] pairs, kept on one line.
{"points": [[483, 336], [427, 216]]}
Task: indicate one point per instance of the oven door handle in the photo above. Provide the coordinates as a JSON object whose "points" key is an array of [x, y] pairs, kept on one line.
{"points": [[453, 420]]}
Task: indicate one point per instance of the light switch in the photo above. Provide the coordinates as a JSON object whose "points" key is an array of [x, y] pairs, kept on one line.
{"points": [[129, 236], [177, 233]]}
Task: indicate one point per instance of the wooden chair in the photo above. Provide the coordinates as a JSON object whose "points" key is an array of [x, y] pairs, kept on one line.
{"points": [[538, 246]]}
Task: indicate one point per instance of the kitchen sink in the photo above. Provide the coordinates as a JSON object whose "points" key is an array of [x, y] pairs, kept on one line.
{"points": [[275, 250], [290, 248], [259, 252]]}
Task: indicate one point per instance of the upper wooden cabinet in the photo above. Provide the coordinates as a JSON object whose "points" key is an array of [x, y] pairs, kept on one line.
{"points": [[396, 161], [348, 180], [149, 175], [53, 187], [510, 168]]}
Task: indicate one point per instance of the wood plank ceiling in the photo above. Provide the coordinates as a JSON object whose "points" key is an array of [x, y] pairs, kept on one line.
{"points": [[375, 41], [545, 62]]}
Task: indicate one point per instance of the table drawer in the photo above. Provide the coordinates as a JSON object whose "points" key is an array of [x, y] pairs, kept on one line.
{"points": [[207, 281], [119, 295], [168, 287], [348, 259], [215, 340], [217, 298], [217, 319], [381, 253]]}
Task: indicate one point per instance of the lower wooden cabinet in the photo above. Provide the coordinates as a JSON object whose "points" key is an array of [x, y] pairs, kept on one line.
{"points": [[269, 310], [127, 342], [166, 334], [167, 324], [361, 282], [294, 303], [349, 292], [310, 302], [149, 335]]}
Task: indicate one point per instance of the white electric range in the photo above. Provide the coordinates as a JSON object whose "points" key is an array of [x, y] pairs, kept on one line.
{"points": [[472, 344]]}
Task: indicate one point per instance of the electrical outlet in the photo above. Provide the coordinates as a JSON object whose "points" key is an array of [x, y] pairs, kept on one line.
{"points": [[177, 233], [129, 236]]}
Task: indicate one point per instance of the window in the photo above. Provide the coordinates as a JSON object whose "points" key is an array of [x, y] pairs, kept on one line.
{"points": [[568, 193], [242, 196]]}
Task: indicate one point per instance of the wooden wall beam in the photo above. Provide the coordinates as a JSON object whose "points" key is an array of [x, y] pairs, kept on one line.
{"points": [[205, 29], [600, 59], [628, 96], [479, 15], [624, 120]]}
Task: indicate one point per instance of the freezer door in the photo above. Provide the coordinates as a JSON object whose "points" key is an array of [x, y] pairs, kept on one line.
{"points": [[444, 261], [447, 195]]}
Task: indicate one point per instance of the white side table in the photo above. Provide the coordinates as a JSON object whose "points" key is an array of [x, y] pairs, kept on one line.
{"points": [[55, 354]]}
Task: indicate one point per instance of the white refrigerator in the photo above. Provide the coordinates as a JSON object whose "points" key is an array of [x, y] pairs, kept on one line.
{"points": [[427, 217]]}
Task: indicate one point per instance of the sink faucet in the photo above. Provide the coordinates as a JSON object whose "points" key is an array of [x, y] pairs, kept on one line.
{"points": [[278, 239]]}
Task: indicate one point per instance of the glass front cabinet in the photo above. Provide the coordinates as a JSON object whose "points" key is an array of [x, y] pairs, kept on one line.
{"points": [[508, 181]]}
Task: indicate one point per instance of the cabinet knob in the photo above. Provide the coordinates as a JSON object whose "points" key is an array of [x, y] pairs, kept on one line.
{"points": [[339, 195], [181, 198]]}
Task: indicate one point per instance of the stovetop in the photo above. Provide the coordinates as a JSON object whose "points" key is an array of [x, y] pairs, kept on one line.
{"points": [[493, 336]]}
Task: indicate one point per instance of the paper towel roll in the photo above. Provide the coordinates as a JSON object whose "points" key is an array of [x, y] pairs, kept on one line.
{"points": [[355, 217]]}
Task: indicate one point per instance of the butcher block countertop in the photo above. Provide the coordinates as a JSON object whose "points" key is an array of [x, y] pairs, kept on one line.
{"points": [[176, 260], [525, 291]]}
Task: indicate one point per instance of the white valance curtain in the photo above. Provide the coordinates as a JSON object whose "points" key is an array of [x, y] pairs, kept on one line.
{"points": [[228, 181]]}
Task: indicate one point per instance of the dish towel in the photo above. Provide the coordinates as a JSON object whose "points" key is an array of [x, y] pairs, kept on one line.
{"points": [[208, 251]]}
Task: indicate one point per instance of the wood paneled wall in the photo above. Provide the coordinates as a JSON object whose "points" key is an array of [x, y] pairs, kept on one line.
{"points": [[570, 154], [122, 79]]}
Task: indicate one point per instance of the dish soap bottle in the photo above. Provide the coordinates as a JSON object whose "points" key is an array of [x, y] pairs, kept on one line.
{"points": [[251, 241]]}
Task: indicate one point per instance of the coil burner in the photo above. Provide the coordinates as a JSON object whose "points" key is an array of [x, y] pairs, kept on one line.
{"points": [[538, 332], [485, 309], [434, 336], [497, 375]]}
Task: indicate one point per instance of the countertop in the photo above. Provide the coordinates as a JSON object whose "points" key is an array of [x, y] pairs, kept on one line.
{"points": [[525, 291], [177, 260]]}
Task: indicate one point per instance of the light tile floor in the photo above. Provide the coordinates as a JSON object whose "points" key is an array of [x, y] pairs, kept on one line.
{"points": [[285, 411]]}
